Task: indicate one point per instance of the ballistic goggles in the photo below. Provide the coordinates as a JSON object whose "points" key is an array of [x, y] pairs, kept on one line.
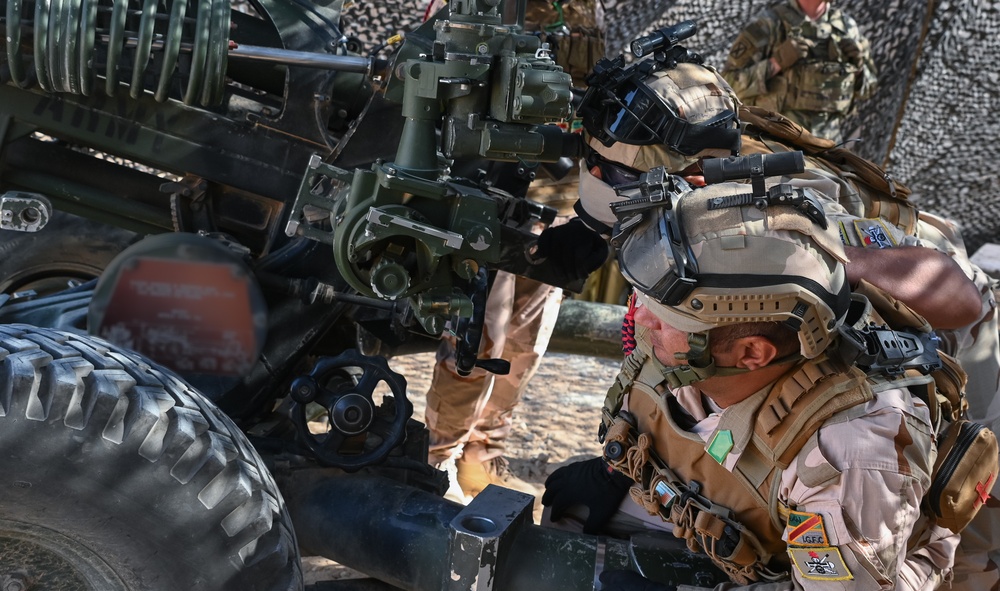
{"points": [[656, 258], [627, 110]]}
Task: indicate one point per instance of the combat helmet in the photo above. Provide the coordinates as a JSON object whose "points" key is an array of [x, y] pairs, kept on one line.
{"points": [[669, 110], [708, 258]]}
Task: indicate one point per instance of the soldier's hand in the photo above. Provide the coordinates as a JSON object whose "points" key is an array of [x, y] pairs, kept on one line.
{"points": [[790, 51], [626, 580], [851, 51], [590, 483], [573, 248]]}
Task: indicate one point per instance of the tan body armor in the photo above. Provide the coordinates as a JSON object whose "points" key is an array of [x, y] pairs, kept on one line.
{"points": [[725, 503], [768, 430]]}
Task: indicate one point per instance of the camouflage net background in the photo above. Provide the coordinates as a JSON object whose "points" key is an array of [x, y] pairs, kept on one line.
{"points": [[938, 59]]}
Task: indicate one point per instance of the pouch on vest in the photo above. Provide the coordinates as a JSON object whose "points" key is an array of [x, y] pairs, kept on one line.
{"points": [[963, 475]]}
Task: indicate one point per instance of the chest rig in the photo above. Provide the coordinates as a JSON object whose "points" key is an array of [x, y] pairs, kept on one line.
{"points": [[722, 497], [723, 503], [824, 80]]}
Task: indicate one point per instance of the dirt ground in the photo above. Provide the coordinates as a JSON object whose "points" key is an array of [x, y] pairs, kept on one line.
{"points": [[556, 422]]}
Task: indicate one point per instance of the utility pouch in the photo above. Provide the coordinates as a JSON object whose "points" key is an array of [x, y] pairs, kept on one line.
{"points": [[963, 475]]}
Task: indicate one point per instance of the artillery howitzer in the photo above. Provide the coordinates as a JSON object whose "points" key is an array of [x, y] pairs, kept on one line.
{"points": [[250, 147]]}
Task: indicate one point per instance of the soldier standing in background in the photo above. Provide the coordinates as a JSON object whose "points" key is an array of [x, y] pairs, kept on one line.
{"points": [[806, 60], [470, 418]]}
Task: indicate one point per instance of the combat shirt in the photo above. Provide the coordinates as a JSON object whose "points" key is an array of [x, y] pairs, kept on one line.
{"points": [[854, 491], [817, 91]]}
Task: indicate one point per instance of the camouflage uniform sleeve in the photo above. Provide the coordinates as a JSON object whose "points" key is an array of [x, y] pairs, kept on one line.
{"points": [[856, 504], [855, 490], [867, 80], [747, 64]]}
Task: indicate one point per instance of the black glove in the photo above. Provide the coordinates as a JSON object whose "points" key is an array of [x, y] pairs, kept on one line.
{"points": [[573, 248], [591, 483], [626, 580]]}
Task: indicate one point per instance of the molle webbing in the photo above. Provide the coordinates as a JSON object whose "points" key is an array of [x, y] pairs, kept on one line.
{"points": [[799, 404], [705, 526], [616, 393]]}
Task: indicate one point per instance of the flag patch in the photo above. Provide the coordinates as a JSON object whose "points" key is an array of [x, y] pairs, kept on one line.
{"points": [[806, 529]]}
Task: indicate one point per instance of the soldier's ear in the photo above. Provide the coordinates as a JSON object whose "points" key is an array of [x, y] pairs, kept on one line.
{"points": [[754, 352]]}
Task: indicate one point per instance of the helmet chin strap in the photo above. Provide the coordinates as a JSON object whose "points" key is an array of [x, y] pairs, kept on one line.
{"points": [[701, 365]]}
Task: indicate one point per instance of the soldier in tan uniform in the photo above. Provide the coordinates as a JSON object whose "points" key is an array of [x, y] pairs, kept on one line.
{"points": [[869, 218], [805, 59], [739, 423], [470, 418]]}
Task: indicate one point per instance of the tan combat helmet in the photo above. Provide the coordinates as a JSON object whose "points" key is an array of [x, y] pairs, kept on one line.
{"points": [[670, 117], [705, 263]]}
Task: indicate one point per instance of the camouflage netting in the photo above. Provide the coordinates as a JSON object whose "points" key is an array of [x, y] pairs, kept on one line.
{"points": [[938, 57]]}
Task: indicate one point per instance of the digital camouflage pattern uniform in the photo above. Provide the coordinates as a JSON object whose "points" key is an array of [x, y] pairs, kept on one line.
{"points": [[817, 91]]}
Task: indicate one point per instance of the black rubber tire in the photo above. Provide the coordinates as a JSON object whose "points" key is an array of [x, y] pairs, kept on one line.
{"points": [[67, 248], [103, 455]]}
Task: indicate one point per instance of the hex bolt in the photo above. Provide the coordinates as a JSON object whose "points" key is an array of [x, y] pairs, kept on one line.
{"points": [[17, 581]]}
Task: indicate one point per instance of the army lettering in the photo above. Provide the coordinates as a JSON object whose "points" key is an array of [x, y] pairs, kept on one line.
{"points": [[117, 119]]}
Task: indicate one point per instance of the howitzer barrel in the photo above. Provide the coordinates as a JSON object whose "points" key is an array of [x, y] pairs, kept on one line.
{"points": [[417, 541], [340, 63]]}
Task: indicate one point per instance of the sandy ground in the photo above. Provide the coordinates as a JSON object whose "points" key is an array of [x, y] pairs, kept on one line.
{"points": [[556, 422]]}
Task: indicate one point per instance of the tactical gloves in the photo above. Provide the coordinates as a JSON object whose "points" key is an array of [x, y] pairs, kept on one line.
{"points": [[626, 580], [790, 51], [591, 483], [573, 248]]}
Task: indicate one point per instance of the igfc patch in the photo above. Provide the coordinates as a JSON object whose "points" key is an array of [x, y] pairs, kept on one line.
{"points": [[806, 529], [810, 550]]}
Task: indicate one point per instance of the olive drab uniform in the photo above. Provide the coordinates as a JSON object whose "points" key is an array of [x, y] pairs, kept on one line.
{"points": [[816, 91], [799, 478]]}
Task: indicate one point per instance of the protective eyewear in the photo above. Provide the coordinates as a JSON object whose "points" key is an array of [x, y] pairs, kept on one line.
{"points": [[656, 258], [632, 113]]}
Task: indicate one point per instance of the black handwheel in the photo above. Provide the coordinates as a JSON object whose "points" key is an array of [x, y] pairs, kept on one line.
{"points": [[361, 433]]}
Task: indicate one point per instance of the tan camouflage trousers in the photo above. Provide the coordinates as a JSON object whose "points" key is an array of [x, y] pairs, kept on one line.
{"points": [[475, 412]]}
